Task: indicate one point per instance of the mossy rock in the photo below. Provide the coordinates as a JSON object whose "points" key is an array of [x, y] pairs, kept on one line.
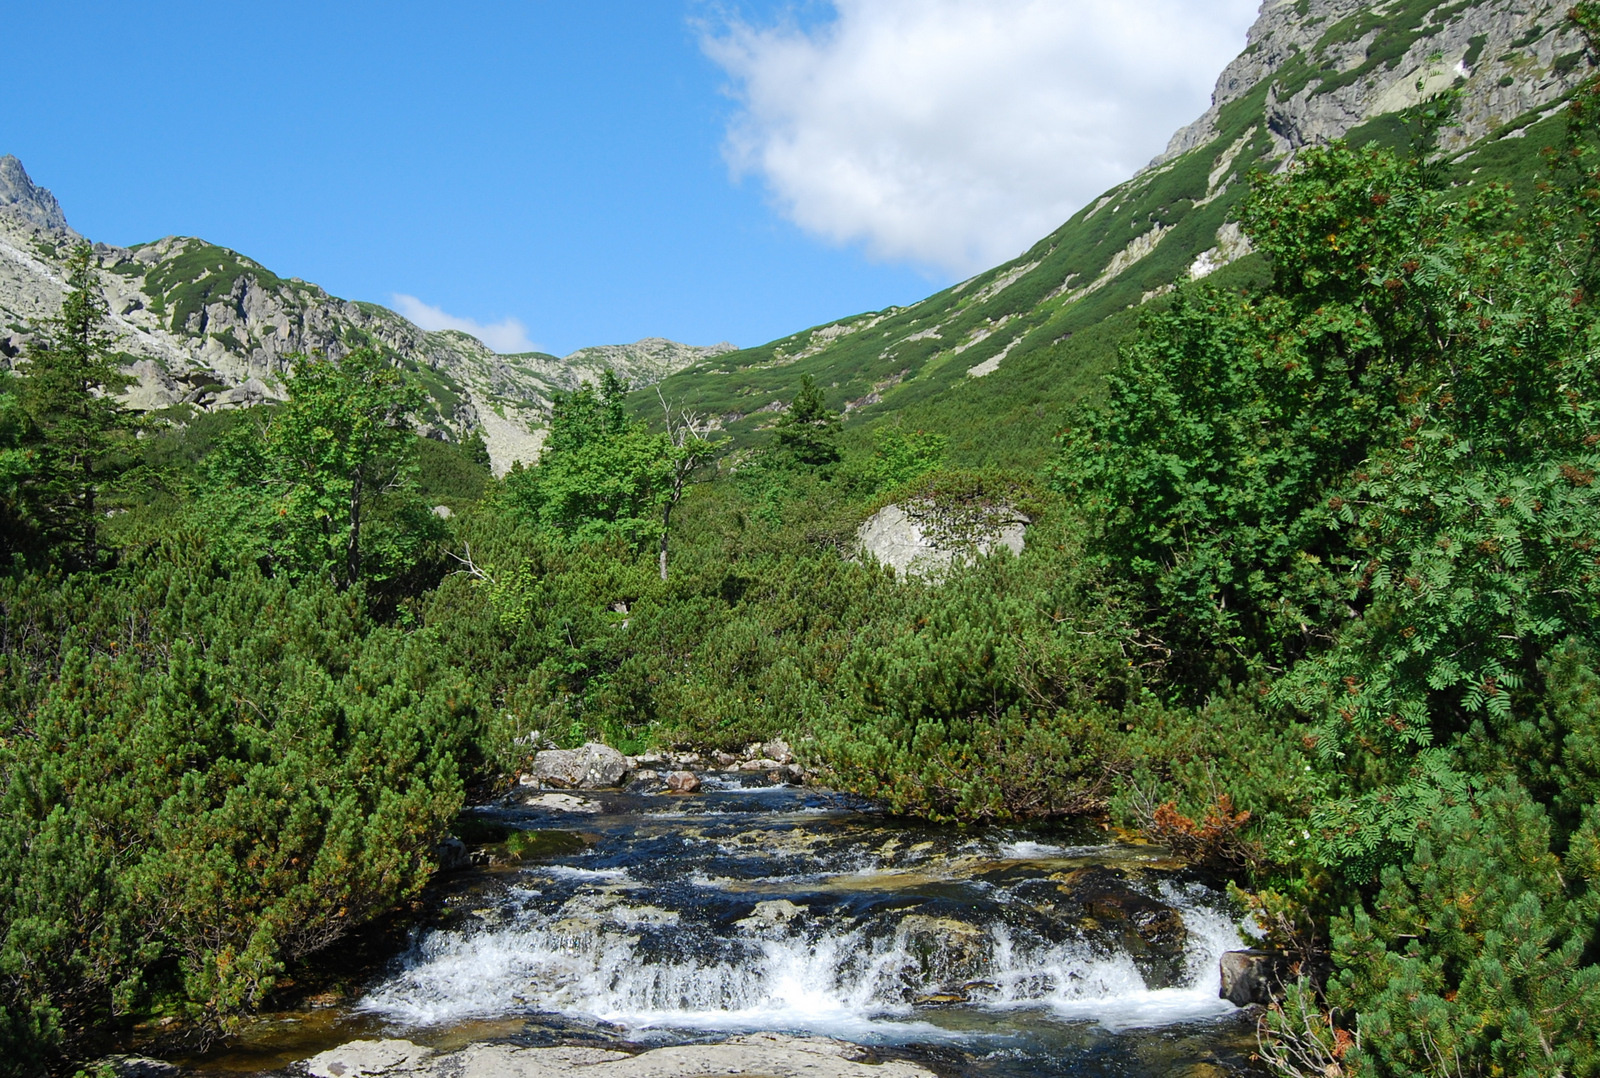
{"points": [[531, 845]]}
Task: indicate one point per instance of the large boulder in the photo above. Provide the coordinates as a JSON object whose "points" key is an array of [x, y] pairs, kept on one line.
{"points": [[590, 767], [920, 539]]}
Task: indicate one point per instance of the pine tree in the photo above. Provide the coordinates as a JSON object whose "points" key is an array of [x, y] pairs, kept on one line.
{"points": [[808, 434], [69, 391]]}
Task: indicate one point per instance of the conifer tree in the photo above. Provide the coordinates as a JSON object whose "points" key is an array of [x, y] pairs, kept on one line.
{"points": [[68, 392], [808, 434]]}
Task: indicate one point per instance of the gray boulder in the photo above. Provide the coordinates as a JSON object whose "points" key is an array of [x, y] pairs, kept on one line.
{"points": [[920, 539], [451, 854], [359, 1059], [1253, 976], [590, 767]]}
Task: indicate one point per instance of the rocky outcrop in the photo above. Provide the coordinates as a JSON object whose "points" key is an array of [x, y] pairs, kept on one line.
{"points": [[773, 1055], [644, 361], [1332, 65], [27, 202]]}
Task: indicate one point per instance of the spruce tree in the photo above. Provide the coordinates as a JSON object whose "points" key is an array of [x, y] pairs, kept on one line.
{"points": [[69, 391], [808, 434]]}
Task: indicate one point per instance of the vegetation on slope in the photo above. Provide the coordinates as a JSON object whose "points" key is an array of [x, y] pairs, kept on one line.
{"points": [[1055, 316], [1310, 595]]}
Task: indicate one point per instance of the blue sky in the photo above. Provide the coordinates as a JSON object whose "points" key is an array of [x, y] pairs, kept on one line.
{"points": [[594, 171]]}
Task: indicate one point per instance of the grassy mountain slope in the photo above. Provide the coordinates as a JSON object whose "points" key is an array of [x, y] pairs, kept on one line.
{"points": [[997, 361]]}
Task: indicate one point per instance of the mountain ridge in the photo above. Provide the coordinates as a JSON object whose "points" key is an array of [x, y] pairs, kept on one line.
{"points": [[1035, 334], [201, 327]]}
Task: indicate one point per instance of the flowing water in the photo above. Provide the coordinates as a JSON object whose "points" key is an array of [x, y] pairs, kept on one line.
{"points": [[647, 918]]}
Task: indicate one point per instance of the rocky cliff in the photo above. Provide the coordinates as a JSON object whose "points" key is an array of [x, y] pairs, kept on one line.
{"points": [[202, 327], [1325, 67], [1312, 71]]}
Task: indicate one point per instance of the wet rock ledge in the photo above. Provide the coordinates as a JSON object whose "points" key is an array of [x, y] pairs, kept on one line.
{"points": [[771, 1055], [594, 766]]}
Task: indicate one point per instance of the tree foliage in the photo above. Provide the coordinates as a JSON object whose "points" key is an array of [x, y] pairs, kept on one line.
{"points": [[325, 485], [604, 475], [808, 434]]}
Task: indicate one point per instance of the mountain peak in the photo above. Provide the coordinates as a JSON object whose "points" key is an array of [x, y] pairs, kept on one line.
{"points": [[22, 198]]}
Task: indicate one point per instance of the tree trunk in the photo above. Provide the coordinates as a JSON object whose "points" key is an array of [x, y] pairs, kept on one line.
{"points": [[352, 564], [666, 519]]}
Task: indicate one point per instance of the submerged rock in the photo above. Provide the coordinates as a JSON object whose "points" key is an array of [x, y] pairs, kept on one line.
{"points": [[562, 803], [772, 913], [946, 951], [772, 1055], [590, 767], [139, 1067], [1108, 906]]}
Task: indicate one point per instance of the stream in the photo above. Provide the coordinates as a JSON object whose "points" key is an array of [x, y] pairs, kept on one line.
{"points": [[638, 918]]}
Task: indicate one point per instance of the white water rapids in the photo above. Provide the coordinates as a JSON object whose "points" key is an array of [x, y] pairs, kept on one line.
{"points": [[747, 918]]}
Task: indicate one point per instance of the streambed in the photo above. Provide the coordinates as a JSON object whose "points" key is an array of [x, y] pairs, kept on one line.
{"points": [[639, 918]]}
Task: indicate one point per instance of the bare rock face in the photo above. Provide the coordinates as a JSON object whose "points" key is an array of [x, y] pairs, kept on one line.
{"points": [[590, 767], [772, 1055], [1511, 56]]}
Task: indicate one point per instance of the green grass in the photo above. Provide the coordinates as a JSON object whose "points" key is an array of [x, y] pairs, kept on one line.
{"points": [[445, 393], [1533, 33], [1566, 63]]}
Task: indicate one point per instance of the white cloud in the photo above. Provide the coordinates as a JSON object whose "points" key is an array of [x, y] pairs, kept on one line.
{"points": [[507, 335], [956, 133]]}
